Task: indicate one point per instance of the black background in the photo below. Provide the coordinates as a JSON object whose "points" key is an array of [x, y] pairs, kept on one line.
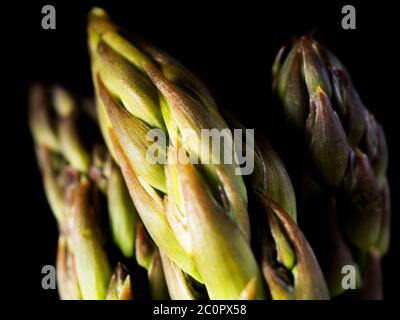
{"points": [[231, 46]]}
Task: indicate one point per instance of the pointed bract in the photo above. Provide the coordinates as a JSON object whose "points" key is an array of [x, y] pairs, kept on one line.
{"points": [[327, 142], [92, 265], [308, 282], [220, 250], [158, 286], [120, 284]]}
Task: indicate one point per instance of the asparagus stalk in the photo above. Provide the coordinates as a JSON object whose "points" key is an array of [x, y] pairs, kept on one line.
{"points": [[345, 147]]}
